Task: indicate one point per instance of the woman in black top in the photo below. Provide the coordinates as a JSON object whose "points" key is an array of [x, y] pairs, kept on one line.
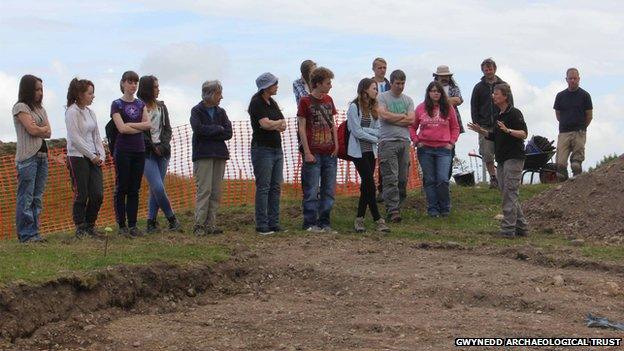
{"points": [[508, 136], [267, 157]]}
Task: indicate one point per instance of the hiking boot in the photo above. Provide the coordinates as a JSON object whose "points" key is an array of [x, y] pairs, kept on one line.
{"points": [[358, 225], [506, 235], [135, 232], [152, 226], [174, 224], [216, 230], [382, 226], [92, 232], [394, 217], [493, 182], [264, 231]]}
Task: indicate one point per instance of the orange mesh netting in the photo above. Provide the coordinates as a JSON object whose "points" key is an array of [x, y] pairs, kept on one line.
{"points": [[239, 186]]}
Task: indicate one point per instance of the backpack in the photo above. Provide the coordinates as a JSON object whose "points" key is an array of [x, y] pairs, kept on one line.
{"points": [[111, 135], [343, 139]]}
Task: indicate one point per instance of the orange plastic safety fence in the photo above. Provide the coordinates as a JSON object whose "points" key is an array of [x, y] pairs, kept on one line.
{"points": [[239, 185]]}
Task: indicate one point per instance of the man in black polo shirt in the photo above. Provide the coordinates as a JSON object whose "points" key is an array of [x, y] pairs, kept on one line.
{"points": [[573, 108]]}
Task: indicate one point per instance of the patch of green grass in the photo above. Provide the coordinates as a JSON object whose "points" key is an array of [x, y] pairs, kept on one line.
{"points": [[63, 254], [608, 253]]}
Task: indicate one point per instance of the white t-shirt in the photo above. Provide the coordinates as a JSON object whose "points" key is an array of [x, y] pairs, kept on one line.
{"points": [[156, 119]]}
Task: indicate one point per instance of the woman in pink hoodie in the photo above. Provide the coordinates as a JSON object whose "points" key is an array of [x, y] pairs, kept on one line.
{"points": [[434, 133]]}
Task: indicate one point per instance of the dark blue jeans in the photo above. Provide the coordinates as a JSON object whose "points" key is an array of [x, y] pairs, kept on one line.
{"points": [[268, 165], [128, 174], [155, 171], [435, 163], [319, 186], [32, 175]]}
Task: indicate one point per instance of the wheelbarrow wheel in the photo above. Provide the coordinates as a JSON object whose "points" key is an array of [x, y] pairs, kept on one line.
{"points": [[548, 174]]}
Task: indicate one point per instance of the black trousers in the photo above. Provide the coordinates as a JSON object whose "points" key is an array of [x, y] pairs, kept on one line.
{"points": [[88, 189], [128, 174], [365, 167]]}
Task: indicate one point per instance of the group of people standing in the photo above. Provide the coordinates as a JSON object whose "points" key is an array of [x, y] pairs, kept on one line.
{"points": [[383, 125]]}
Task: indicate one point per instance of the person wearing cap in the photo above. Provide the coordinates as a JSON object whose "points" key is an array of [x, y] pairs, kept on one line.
{"points": [[444, 76], [211, 128], [483, 112], [267, 157]]}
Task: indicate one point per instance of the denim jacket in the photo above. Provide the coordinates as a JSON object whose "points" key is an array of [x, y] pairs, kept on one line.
{"points": [[357, 132]]}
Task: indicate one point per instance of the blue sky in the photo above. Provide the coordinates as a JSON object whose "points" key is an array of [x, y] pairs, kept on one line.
{"points": [[186, 42]]}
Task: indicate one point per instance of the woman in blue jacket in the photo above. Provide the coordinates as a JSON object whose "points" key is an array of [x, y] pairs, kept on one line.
{"points": [[211, 128], [364, 130]]}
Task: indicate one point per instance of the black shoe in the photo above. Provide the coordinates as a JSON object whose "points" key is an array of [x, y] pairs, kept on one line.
{"points": [[135, 232], [522, 232], [506, 235], [174, 224], [152, 226], [216, 230], [124, 231], [81, 231]]}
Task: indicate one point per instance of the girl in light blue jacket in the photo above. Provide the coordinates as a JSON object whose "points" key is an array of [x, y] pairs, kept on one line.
{"points": [[362, 148]]}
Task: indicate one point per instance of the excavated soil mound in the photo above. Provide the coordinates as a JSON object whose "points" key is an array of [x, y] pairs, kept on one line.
{"points": [[588, 206]]}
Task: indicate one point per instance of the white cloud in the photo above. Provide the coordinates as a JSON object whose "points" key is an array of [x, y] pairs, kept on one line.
{"points": [[8, 96], [186, 63]]}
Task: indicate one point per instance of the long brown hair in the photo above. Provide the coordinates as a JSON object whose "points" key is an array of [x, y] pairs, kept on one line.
{"points": [[26, 93], [77, 87], [367, 105], [444, 104]]}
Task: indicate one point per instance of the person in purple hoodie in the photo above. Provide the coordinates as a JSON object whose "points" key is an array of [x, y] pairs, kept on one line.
{"points": [[131, 119]]}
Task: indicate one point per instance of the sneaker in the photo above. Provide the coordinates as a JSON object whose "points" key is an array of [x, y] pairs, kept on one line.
{"points": [[278, 229], [358, 225], [314, 229], [92, 232], [394, 217], [264, 231], [174, 224], [81, 232], [37, 239], [382, 226], [123, 231], [493, 182], [135, 232], [199, 230], [328, 230], [152, 226]]}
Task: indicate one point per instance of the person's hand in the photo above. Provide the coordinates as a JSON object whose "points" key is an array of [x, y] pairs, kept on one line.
{"points": [[97, 161], [419, 145], [309, 158], [449, 146], [502, 126], [157, 151], [282, 126], [476, 128]]}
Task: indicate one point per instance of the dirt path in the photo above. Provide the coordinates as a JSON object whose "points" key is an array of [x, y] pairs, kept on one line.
{"points": [[323, 293]]}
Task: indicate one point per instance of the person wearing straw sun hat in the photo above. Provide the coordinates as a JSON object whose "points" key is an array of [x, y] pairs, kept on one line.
{"points": [[267, 157]]}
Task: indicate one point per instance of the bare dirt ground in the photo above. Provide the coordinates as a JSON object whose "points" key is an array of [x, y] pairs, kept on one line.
{"points": [[329, 293]]}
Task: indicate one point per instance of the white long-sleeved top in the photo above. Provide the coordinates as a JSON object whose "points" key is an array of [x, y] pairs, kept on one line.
{"points": [[83, 136]]}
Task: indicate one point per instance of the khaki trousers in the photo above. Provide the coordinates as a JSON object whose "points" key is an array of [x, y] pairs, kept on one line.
{"points": [[572, 145], [509, 174], [208, 175]]}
